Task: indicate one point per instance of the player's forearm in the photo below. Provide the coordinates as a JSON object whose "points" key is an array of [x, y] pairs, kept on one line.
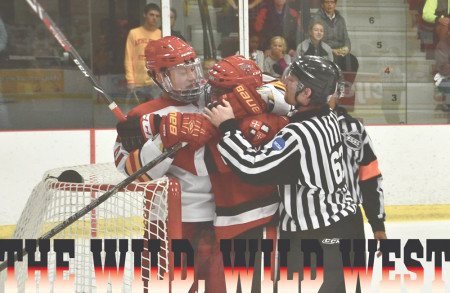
{"points": [[373, 202], [257, 167], [151, 150]]}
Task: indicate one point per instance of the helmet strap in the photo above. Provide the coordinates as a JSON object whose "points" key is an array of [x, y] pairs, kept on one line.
{"points": [[153, 77]]}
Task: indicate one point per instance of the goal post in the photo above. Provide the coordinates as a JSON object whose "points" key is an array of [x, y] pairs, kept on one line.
{"points": [[148, 210]]}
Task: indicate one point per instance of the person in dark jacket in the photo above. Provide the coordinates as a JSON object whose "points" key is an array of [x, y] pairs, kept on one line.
{"points": [[278, 19]]}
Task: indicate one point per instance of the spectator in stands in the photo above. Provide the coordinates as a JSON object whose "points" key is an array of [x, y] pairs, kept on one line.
{"points": [[314, 45], [438, 12], [442, 77], [230, 9], [173, 19], [336, 36], [304, 9], [278, 60], [443, 58], [278, 19], [138, 82], [255, 54]]}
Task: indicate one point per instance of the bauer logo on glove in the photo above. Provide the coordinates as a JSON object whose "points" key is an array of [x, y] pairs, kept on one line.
{"points": [[173, 123], [244, 100], [192, 128], [248, 99]]}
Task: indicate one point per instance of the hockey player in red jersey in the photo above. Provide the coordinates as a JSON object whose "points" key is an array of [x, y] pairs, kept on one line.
{"points": [[161, 123], [243, 210], [239, 80]]}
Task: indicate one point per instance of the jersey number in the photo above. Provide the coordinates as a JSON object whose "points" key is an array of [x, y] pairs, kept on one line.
{"points": [[336, 161]]}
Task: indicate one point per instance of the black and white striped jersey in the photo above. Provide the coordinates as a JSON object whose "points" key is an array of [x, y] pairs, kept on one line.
{"points": [[305, 160], [362, 174]]}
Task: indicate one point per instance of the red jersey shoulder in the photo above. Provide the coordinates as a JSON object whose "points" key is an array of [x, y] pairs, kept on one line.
{"points": [[152, 106]]}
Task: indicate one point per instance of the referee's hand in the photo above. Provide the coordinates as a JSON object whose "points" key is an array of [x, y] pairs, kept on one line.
{"points": [[379, 235], [217, 113]]}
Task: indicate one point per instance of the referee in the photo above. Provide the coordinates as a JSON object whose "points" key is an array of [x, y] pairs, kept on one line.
{"points": [[363, 177], [305, 160]]}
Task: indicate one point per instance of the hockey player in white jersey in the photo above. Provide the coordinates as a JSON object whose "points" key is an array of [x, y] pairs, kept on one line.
{"points": [[163, 122]]}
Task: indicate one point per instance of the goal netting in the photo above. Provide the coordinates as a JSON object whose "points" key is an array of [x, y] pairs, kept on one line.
{"points": [[150, 210]]}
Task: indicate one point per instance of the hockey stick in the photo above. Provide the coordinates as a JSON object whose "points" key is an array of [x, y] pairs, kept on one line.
{"points": [[75, 57], [69, 221]]}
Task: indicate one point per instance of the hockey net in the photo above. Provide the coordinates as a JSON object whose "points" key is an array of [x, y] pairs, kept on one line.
{"points": [[150, 210]]}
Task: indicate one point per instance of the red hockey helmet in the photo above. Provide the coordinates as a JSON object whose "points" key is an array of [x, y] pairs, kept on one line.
{"points": [[234, 70], [174, 65]]}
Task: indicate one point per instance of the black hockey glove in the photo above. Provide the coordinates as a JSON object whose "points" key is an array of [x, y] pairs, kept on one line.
{"points": [[130, 133]]}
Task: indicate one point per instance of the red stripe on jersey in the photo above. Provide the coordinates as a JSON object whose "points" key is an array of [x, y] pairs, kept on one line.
{"points": [[369, 171], [117, 161], [116, 151]]}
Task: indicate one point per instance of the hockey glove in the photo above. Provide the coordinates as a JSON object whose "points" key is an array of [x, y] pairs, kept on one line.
{"points": [[244, 101], [135, 131], [192, 128]]}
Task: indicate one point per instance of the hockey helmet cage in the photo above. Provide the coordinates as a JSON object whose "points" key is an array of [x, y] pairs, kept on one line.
{"points": [[316, 73], [169, 55], [234, 70]]}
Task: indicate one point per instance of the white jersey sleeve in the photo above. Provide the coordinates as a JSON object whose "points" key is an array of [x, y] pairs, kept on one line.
{"points": [[273, 94]]}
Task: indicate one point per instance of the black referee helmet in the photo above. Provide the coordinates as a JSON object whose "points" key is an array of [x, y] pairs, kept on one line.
{"points": [[320, 75]]}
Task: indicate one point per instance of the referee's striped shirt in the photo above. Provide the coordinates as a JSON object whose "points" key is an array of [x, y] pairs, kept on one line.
{"points": [[305, 160], [363, 177]]}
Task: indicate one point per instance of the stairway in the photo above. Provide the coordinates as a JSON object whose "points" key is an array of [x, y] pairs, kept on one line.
{"points": [[395, 82]]}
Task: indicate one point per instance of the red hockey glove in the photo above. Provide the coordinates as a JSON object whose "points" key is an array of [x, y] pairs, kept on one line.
{"points": [[192, 128], [244, 101]]}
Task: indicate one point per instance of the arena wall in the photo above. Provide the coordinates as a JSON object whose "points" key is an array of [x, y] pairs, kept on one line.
{"points": [[414, 160]]}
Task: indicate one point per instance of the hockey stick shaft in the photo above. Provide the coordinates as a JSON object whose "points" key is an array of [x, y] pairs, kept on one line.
{"points": [[37, 8], [69, 221]]}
